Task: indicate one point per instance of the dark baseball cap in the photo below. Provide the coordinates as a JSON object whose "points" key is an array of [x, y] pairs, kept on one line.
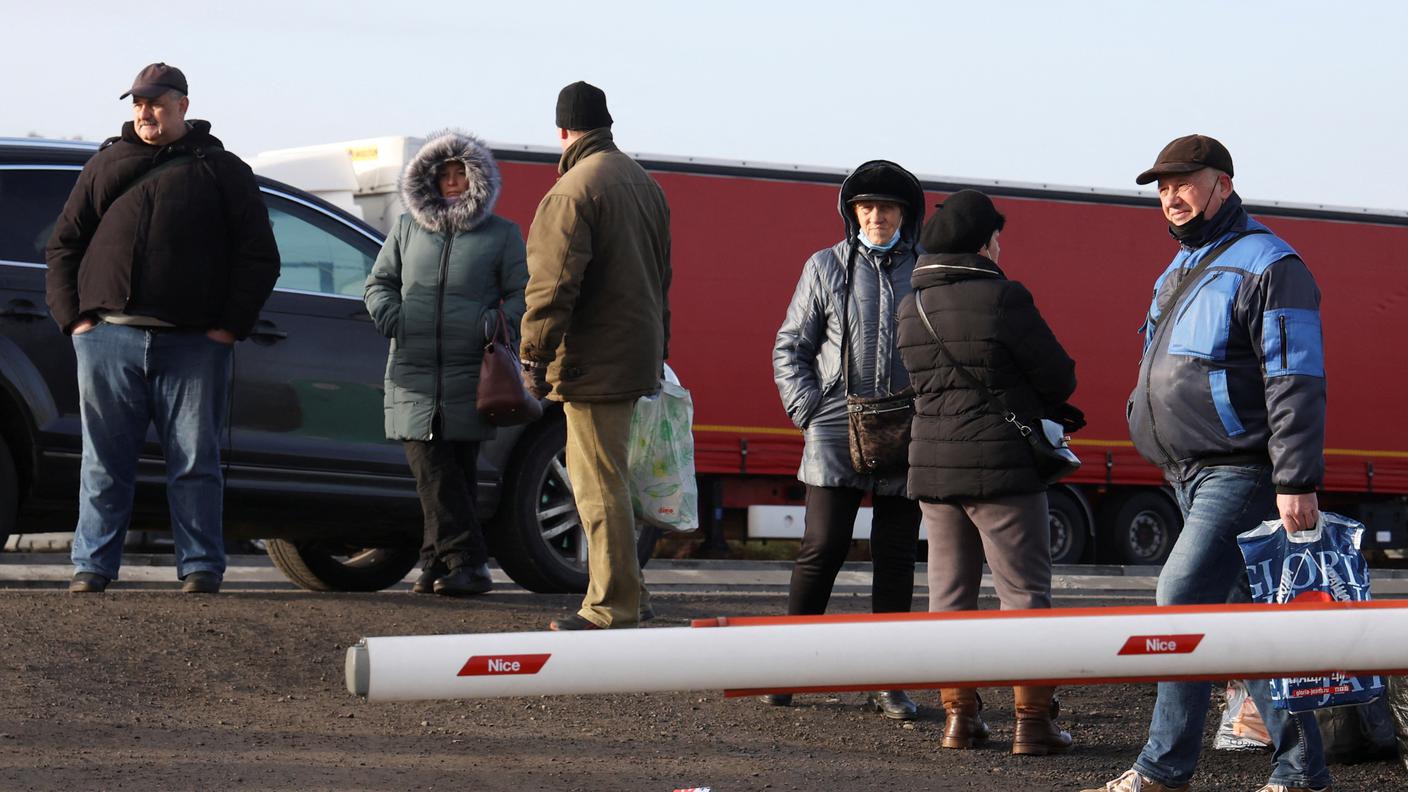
{"points": [[156, 80], [1187, 154]]}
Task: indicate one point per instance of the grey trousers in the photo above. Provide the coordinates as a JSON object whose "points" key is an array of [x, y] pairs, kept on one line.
{"points": [[1014, 534]]}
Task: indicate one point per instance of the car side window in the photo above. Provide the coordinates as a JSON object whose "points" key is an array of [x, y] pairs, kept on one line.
{"points": [[31, 200], [318, 253]]}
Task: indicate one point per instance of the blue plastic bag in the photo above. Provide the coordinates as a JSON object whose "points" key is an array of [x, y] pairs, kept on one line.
{"points": [[1321, 564]]}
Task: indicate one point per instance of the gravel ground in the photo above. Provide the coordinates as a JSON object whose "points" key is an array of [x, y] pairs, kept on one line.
{"points": [[154, 690]]}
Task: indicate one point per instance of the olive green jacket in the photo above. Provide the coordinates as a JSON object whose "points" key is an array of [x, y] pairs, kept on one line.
{"points": [[599, 275]]}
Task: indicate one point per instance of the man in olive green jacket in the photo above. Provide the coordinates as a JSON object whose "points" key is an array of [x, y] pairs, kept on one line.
{"points": [[596, 334]]}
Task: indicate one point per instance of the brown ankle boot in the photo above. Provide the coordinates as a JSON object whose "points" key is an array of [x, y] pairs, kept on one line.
{"points": [[1037, 733], [964, 727]]}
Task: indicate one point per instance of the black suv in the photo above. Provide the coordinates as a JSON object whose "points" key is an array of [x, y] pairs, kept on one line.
{"points": [[307, 467]]}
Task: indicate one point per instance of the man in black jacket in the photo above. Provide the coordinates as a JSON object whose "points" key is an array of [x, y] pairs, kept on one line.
{"points": [[161, 260]]}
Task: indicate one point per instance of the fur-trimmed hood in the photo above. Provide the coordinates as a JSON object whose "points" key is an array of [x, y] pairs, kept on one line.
{"points": [[421, 194]]}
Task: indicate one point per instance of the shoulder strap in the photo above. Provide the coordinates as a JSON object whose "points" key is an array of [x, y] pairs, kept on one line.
{"points": [[993, 401], [151, 173], [845, 318], [1207, 261]]}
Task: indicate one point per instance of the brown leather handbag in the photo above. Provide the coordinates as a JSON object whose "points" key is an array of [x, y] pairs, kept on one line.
{"points": [[879, 429], [502, 400], [878, 426]]}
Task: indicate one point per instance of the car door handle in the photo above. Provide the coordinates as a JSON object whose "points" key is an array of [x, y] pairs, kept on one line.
{"points": [[266, 332], [23, 309]]}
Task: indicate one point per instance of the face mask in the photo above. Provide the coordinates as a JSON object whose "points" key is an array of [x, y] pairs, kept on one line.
{"points": [[888, 246], [1192, 228]]}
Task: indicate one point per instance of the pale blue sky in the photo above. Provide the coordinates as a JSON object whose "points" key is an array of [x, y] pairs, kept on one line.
{"points": [[1307, 95]]}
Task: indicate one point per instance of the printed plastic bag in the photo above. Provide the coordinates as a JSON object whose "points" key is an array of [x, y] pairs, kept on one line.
{"points": [[1242, 728], [1322, 564], [663, 490]]}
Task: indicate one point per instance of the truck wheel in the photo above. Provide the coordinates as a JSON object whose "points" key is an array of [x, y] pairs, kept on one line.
{"points": [[1070, 526], [1142, 527], [9, 494], [538, 538], [330, 566]]}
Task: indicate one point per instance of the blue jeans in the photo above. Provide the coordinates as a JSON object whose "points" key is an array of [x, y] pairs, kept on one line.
{"points": [[1206, 567], [128, 379]]}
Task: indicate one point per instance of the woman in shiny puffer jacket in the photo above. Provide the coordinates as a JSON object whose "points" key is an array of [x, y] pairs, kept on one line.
{"points": [[852, 288]]}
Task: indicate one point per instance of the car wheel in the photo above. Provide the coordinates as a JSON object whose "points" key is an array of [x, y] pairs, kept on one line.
{"points": [[538, 536], [330, 566], [1070, 526], [1142, 527], [9, 494]]}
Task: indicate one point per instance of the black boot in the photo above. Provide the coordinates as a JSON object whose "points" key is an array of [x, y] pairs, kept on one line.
{"points": [[465, 581], [429, 573], [893, 704]]}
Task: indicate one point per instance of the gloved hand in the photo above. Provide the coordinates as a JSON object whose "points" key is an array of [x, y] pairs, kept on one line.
{"points": [[1069, 416], [535, 379]]}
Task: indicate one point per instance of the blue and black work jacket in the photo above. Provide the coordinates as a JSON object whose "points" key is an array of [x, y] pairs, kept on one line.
{"points": [[1234, 373]]}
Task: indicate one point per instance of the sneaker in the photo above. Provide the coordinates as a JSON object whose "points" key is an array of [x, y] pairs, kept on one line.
{"points": [[573, 622], [87, 583], [1284, 788], [465, 581], [201, 583], [1132, 781]]}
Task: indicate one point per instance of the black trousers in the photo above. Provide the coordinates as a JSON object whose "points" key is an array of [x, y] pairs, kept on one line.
{"points": [[826, 540], [446, 479]]}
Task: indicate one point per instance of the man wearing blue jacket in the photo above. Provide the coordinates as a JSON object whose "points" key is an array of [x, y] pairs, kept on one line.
{"points": [[1230, 403]]}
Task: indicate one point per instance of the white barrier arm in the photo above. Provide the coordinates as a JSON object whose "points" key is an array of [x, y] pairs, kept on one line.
{"points": [[883, 651]]}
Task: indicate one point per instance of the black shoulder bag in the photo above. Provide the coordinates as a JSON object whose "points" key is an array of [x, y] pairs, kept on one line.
{"points": [[1054, 460], [878, 426]]}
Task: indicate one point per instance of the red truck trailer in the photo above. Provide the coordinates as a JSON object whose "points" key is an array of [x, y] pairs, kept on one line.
{"points": [[741, 233]]}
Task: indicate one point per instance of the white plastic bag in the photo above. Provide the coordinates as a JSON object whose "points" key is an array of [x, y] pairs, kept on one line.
{"points": [[1242, 728], [663, 490]]}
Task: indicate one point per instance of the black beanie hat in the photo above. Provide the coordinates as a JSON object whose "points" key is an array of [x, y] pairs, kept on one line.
{"points": [[962, 224], [582, 106]]}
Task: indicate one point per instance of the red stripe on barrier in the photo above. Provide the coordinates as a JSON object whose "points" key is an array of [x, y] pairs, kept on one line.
{"points": [[1054, 613], [1057, 681], [504, 665]]}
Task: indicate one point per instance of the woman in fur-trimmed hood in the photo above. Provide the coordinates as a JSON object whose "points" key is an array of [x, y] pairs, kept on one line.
{"points": [[448, 269]]}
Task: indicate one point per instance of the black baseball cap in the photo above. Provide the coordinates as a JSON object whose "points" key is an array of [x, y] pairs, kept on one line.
{"points": [[1187, 154], [156, 80]]}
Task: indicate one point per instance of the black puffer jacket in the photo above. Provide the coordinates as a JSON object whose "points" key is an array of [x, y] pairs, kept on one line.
{"points": [[191, 245], [961, 448]]}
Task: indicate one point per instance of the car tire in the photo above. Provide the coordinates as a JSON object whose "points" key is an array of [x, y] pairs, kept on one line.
{"points": [[538, 538], [1070, 526], [9, 494], [327, 566], [1141, 527]]}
